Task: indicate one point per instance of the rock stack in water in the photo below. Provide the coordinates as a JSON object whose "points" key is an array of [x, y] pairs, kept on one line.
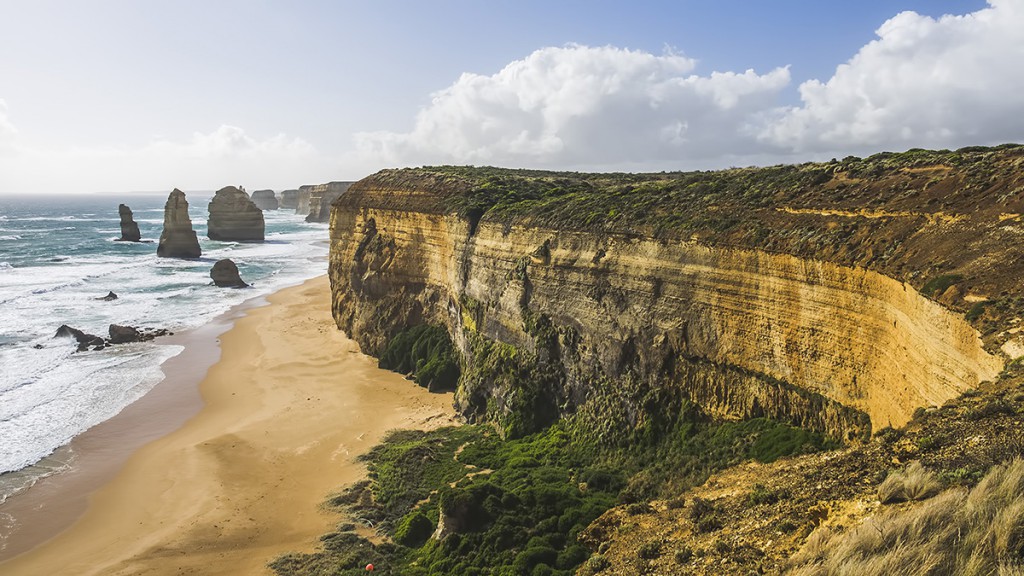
{"points": [[265, 200], [321, 197], [225, 274], [302, 200], [289, 200], [129, 228], [178, 240], [234, 218]]}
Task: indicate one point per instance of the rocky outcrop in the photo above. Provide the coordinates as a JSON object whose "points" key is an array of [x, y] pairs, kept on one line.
{"points": [[129, 228], [289, 200], [265, 199], [85, 341], [225, 274], [118, 335], [123, 334], [177, 240], [234, 217], [321, 196], [109, 297], [302, 200], [737, 316]]}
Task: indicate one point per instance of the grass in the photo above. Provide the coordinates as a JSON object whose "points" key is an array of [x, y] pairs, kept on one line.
{"points": [[914, 483], [973, 533]]}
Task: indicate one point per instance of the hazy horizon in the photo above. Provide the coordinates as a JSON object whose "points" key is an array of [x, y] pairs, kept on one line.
{"points": [[148, 97]]}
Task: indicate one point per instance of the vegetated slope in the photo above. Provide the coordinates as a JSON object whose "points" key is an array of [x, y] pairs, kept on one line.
{"points": [[813, 295]]}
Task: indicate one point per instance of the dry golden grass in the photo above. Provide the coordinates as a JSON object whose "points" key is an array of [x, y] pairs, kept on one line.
{"points": [[914, 483], [974, 533]]}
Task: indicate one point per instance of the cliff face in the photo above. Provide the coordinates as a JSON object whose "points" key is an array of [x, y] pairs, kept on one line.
{"points": [[321, 196], [302, 200], [606, 319], [234, 217], [178, 239], [289, 200]]}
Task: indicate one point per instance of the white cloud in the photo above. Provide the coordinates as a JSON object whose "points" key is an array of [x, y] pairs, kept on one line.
{"points": [[227, 155], [8, 133], [585, 106], [924, 82]]}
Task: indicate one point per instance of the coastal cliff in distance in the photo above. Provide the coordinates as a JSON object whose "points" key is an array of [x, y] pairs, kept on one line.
{"points": [[836, 296], [321, 196]]}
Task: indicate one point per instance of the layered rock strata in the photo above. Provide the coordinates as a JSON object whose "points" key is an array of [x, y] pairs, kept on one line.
{"points": [[234, 217], [289, 200], [616, 316], [129, 228], [302, 200], [321, 196], [265, 200], [178, 239]]}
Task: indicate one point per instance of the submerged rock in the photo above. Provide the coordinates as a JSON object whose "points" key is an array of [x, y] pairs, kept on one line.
{"points": [[234, 217], [225, 274], [178, 239], [129, 228], [118, 335], [109, 297], [265, 200]]}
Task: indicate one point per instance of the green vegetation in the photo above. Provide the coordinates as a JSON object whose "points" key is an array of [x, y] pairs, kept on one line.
{"points": [[939, 284], [515, 506], [426, 352]]}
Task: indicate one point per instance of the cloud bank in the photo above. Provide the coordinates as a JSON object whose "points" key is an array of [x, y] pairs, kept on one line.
{"points": [[924, 82]]}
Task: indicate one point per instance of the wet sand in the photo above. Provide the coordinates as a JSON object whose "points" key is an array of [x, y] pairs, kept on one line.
{"points": [[287, 408]]}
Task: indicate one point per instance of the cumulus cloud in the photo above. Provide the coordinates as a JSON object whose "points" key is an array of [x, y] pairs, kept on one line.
{"points": [[924, 82], [580, 105]]}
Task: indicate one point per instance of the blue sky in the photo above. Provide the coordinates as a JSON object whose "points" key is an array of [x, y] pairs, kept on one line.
{"points": [[127, 95]]}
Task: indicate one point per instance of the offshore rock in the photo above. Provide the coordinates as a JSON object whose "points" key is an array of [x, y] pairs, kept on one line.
{"points": [[265, 200], [289, 200], [234, 217], [123, 334], [109, 297], [178, 239], [85, 341], [321, 196], [225, 274], [129, 228]]}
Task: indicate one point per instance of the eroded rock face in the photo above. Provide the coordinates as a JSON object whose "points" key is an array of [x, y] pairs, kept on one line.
{"points": [[321, 197], [123, 334], [302, 201], [234, 217], [289, 200], [129, 228], [225, 274], [85, 341], [178, 239], [265, 199], [740, 332]]}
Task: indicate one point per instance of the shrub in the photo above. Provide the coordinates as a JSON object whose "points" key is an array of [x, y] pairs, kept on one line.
{"points": [[414, 529], [914, 483], [650, 550]]}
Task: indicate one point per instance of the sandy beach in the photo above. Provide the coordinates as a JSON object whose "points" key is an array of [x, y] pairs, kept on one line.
{"points": [[286, 410]]}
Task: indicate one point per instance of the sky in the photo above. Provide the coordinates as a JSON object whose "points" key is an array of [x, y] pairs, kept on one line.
{"points": [[130, 95]]}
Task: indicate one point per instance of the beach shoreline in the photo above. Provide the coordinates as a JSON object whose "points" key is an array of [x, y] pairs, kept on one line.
{"points": [[284, 412]]}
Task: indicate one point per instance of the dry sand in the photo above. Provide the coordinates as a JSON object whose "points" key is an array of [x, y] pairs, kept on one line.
{"points": [[288, 407]]}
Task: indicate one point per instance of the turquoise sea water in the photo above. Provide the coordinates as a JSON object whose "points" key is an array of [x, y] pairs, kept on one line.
{"points": [[57, 256]]}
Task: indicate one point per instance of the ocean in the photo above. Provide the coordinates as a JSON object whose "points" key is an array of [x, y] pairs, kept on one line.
{"points": [[58, 255]]}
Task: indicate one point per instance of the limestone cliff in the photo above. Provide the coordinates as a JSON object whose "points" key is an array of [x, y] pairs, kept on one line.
{"points": [[178, 239], [265, 200], [234, 217], [321, 196], [302, 200], [289, 200], [821, 294]]}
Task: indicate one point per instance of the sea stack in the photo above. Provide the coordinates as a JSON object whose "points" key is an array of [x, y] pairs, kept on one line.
{"points": [[302, 200], [321, 197], [129, 228], [178, 239], [225, 274], [234, 218], [265, 200], [289, 200]]}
